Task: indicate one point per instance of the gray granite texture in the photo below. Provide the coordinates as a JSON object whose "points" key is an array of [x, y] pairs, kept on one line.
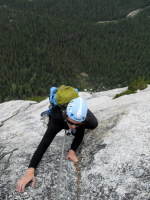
{"points": [[114, 159]]}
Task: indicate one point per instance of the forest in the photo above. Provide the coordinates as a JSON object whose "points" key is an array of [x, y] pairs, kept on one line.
{"points": [[45, 43]]}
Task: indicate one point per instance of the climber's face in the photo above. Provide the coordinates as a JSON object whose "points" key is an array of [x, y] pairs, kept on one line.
{"points": [[72, 124]]}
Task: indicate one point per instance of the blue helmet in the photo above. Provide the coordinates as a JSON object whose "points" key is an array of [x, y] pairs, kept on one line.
{"points": [[77, 109]]}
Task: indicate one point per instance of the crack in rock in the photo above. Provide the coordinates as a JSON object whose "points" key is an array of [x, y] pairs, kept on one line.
{"points": [[15, 114], [78, 172], [86, 150], [7, 161]]}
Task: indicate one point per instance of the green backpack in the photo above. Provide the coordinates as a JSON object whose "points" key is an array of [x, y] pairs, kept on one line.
{"points": [[62, 95], [65, 94]]}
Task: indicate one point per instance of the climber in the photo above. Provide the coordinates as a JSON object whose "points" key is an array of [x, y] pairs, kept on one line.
{"points": [[76, 117]]}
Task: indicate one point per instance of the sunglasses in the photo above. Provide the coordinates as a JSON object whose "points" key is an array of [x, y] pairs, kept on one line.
{"points": [[71, 123]]}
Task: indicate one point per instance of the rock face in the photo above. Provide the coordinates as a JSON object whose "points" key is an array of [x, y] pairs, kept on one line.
{"points": [[114, 159]]}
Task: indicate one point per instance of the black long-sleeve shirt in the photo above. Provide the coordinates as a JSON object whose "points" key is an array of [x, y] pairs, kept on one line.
{"points": [[55, 125]]}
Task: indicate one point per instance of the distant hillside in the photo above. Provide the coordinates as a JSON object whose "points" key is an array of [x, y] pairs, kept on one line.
{"points": [[49, 42]]}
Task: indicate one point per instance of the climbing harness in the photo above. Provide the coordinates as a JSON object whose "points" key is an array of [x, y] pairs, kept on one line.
{"points": [[71, 132]]}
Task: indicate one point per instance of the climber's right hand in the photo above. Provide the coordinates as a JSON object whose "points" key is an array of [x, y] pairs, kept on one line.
{"points": [[28, 177]]}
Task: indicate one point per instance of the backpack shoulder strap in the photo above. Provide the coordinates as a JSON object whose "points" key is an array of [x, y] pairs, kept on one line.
{"points": [[52, 97]]}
